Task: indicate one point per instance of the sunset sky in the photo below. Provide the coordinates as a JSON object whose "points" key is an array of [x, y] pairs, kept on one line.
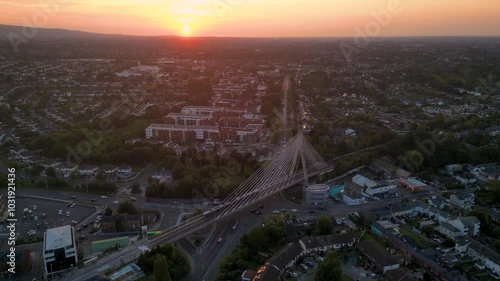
{"points": [[256, 18]]}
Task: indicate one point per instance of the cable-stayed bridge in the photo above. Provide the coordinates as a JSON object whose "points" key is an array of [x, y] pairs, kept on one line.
{"points": [[295, 163]]}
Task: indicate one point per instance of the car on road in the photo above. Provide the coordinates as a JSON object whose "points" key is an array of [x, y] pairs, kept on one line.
{"points": [[115, 202], [373, 275], [104, 196], [34, 207], [73, 197], [276, 212], [35, 218], [283, 210], [294, 210], [92, 199], [59, 212], [219, 240], [294, 274], [133, 198], [67, 214], [72, 205], [43, 215]]}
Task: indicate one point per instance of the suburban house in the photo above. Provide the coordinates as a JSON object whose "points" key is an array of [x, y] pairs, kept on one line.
{"points": [[377, 256], [87, 170], [477, 251], [287, 256], [462, 200], [248, 275], [449, 230], [328, 242], [267, 272], [66, 168], [124, 171], [468, 226], [108, 169]]}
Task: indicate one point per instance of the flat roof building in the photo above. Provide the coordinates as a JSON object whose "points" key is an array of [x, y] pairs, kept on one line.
{"points": [[59, 249]]}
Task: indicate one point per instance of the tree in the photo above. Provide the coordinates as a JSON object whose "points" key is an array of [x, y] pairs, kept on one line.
{"points": [[329, 269], [324, 225], [108, 212], [496, 246], [136, 188], [51, 172], [127, 207], [161, 269]]}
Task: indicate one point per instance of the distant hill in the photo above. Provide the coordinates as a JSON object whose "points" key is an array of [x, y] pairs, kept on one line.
{"points": [[53, 33]]}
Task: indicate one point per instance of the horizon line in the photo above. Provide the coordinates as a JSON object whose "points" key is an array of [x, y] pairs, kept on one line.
{"points": [[254, 37]]}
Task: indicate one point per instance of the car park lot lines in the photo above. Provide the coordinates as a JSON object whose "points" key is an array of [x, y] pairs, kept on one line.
{"points": [[45, 215]]}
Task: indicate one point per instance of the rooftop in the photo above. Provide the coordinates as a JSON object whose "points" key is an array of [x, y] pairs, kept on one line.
{"points": [[60, 237]]}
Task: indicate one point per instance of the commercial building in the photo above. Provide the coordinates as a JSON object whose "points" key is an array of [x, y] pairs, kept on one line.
{"points": [[210, 125], [413, 184], [379, 189], [59, 249], [181, 133], [317, 194], [189, 119]]}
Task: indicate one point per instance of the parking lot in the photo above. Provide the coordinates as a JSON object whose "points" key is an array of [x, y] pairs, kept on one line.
{"points": [[46, 214]]}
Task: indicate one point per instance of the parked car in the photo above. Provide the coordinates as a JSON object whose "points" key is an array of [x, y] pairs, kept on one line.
{"points": [[294, 210], [304, 267], [294, 274], [104, 196]]}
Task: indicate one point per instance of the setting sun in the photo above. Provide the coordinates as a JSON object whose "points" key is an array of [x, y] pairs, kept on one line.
{"points": [[186, 31]]}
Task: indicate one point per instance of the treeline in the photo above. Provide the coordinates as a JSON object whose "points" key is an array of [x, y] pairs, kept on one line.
{"points": [[177, 263], [272, 235], [95, 147], [205, 172]]}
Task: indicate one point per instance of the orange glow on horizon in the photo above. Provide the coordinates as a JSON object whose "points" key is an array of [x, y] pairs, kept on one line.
{"points": [[186, 31], [256, 18]]}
